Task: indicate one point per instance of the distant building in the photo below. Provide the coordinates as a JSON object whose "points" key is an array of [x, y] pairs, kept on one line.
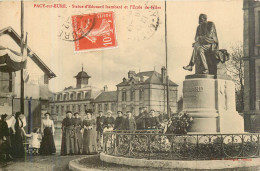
{"points": [[252, 65], [74, 99], [36, 83], [107, 100], [138, 90], [146, 89]]}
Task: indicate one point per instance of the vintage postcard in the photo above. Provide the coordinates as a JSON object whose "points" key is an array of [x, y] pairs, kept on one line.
{"points": [[130, 85]]}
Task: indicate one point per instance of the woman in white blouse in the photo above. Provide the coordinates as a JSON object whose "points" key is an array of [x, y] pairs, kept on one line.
{"points": [[47, 129]]}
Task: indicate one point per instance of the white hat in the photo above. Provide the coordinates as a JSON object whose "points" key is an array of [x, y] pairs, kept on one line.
{"points": [[109, 111]]}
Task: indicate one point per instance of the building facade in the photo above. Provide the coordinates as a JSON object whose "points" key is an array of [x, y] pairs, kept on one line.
{"points": [[107, 100], [252, 65], [146, 89], [76, 99], [36, 83]]}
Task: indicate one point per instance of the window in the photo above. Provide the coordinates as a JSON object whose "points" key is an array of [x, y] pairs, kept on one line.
{"points": [[73, 108], [100, 107], [141, 94], [52, 109], [106, 107], [68, 108], [71, 96], [132, 96], [113, 106], [62, 109], [5, 82], [58, 97], [64, 97], [123, 95], [86, 95], [79, 106], [258, 27], [57, 109], [85, 107], [79, 96]]}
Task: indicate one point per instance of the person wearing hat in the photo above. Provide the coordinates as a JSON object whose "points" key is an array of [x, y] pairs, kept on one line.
{"points": [[100, 126], [120, 121], [17, 137], [109, 121], [68, 136], [47, 128], [141, 118], [130, 122], [78, 134], [5, 141], [153, 121], [89, 135]]}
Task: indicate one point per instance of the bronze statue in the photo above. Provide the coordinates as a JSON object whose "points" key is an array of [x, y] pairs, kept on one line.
{"points": [[206, 41]]}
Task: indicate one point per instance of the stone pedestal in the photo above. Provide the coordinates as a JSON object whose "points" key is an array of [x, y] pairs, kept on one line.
{"points": [[211, 103]]}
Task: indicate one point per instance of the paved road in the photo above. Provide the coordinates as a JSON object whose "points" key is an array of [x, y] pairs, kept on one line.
{"points": [[39, 163]]}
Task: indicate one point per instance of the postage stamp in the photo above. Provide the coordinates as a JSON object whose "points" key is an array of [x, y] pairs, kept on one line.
{"points": [[94, 31]]}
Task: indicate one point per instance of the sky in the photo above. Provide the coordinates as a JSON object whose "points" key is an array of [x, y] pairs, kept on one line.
{"points": [[139, 47]]}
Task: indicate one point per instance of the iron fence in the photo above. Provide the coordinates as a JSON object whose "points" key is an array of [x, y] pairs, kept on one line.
{"points": [[152, 144]]}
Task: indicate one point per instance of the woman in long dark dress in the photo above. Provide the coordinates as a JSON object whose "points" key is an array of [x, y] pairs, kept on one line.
{"points": [[5, 146], [47, 145], [68, 137], [90, 135], [17, 137], [78, 134]]}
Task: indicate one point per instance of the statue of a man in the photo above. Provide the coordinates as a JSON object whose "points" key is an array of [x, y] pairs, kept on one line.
{"points": [[206, 39]]}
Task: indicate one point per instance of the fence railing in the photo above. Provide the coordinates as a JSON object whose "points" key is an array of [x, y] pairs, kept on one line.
{"points": [[152, 144]]}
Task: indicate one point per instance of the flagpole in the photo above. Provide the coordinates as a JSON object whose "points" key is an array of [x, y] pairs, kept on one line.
{"points": [[166, 54], [22, 45]]}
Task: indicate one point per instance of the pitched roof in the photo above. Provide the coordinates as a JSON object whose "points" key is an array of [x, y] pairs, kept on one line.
{"points": [[107, 96], [82, 74], [149, 77], [10, 31]]}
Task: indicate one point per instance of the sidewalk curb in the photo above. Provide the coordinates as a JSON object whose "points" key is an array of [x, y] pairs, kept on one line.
{"points": [[182, 164], [75, 166]]}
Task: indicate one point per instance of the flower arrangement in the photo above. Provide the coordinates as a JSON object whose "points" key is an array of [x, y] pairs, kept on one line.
{"points": [[180, 123]]}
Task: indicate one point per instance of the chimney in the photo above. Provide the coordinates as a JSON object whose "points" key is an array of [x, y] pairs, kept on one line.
{"points": [[131, 74], [105, 88], [163, 73], [124, 80]]}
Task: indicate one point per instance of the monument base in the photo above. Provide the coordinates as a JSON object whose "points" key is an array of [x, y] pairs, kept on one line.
{"points": [[210, 101]]}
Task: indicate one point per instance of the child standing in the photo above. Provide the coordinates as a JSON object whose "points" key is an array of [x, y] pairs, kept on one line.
{"points": [[35, 141]]}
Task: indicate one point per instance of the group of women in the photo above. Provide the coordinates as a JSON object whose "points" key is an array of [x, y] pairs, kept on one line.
{"points": [[78, 137], [12, 136]]}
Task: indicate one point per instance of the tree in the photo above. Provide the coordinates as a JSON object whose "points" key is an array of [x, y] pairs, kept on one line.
{"points": [[235, 67]]}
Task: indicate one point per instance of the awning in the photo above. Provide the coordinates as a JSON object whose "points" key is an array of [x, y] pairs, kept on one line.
{"points": [[11, 61]]}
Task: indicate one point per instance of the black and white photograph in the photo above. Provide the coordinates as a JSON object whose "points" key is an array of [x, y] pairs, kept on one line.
{"points": [[171, 85]]}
